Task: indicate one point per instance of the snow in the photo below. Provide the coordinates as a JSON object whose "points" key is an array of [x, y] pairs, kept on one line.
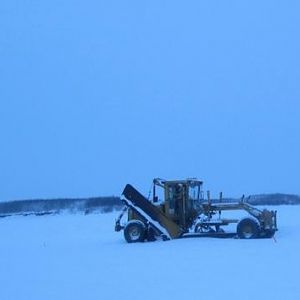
{"points": [[81, 257]]}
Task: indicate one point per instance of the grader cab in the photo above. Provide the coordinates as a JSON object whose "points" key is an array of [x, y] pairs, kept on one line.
{"points": [[178, 209]]}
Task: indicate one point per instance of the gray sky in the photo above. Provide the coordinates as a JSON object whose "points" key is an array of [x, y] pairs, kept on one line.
{"points": [[96, 94]]}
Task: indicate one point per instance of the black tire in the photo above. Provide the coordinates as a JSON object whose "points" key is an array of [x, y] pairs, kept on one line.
{"points": [[134, 231], [151, 234], [248, 229]]}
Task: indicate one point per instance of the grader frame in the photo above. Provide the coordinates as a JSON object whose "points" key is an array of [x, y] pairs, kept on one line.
{"points": [[183, 212]]}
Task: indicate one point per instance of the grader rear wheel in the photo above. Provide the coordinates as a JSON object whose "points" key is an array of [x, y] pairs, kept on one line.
{"points": [[134, 231], [151, 234]]}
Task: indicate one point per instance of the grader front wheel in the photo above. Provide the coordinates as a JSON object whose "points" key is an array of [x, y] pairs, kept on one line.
{"points": [[248, 228]]}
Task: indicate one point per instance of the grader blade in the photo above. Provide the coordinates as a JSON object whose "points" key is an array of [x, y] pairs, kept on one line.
{"points": [[154, 216]]}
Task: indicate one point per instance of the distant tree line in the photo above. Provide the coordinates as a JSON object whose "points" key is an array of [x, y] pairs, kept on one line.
{"points": [[108, 204], [52, 206], [267, 199], [274, 199]]}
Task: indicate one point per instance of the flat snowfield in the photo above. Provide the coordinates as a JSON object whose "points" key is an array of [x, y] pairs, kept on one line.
{"points": [[81, 257]]}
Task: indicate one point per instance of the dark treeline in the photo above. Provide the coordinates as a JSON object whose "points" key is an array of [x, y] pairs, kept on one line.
{"points": [[40, 207], [108, 204], [268, 199], [274, 199]]}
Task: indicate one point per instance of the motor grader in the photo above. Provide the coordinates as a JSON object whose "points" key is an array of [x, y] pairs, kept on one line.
{"points": [[184, 212]]}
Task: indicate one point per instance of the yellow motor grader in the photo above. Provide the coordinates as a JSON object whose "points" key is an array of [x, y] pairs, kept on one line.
{"points": [[183, 212]]}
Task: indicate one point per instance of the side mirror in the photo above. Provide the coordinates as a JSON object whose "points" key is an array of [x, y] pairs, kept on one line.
{"points": [[155, 199]]}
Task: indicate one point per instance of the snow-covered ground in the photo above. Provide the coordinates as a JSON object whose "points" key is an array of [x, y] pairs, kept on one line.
{"points": [[81, 257]]}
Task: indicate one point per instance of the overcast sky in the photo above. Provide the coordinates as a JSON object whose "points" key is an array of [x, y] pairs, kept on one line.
{"points": [[96, 94]]}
